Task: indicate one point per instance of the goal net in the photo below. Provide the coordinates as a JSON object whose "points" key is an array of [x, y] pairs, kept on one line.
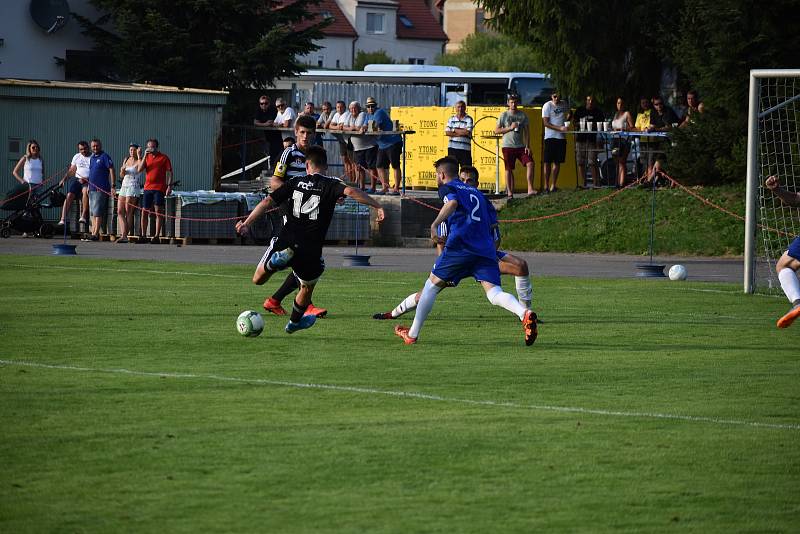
{"points": [[772, 149]]}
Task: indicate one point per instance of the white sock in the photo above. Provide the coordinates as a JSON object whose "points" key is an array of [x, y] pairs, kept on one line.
{"points": [[424, 307], [409, 303], [524, 290], [790, 284], [498, 297]]}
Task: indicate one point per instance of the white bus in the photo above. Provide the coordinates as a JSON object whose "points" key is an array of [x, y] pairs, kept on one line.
{"points": [[445, 85]]}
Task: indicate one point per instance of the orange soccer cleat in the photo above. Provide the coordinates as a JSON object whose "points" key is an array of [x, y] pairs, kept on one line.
{"points": [[530, 327], [791, 315], [273, 306], [402, 331]]}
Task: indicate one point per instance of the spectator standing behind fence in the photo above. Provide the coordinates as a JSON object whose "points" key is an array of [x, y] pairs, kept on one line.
{"points": [[79, 187], [621, 146], [390, 147], [101, 186], [693, 107], [513, 125], [554, 116], [157, 185], [459, 130], [662, 119], [642, 124], [129, 192], [31, 165], [309, 110], [286, 115], [338, 121], [265, 116], [365, 147], [586, 143]]}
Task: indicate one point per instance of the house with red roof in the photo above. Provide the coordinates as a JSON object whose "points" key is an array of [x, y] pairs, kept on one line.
{"points": [[409, 31]]}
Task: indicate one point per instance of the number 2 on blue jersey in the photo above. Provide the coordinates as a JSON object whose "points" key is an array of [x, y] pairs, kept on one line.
{"points": [[477, 202]]}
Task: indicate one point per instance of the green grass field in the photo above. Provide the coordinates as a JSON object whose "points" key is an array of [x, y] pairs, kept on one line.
{"points": [[129, 403]]}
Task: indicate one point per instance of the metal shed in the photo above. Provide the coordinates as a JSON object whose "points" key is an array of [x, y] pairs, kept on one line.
{"points": [[59, 114]]}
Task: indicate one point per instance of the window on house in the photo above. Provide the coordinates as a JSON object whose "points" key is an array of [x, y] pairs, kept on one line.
{"points": [[320, 61], [375, 23], [405, 21], [416, 61], [480, 21], [337, 63], [326, 15]]}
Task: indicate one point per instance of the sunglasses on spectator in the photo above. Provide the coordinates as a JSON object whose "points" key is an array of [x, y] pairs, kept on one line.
{"points": [[262, 103], [372, 105]]}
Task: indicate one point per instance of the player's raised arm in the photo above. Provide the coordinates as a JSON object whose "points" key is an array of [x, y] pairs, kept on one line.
{"points": [[362, 198], [257, 212], [773, 184]]}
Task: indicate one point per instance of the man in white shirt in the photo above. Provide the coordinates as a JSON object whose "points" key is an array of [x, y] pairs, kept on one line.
{"points": [[365, 147], [79, 187], [554, 114], [459, 130], [286, 115], [337, 122]]}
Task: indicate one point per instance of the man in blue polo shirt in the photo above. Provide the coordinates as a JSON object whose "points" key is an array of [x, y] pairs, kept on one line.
{"points": [[389, 146], [101, 186]]}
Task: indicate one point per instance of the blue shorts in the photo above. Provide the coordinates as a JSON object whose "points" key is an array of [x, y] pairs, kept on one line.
{"points": [[152, 196], [76, 187], [452, 267], [501, 255], [794, 248], [98, 203]]}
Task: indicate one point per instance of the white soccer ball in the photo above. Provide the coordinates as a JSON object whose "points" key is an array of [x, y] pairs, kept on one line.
{"points": [[677, 272], [250, 323]]}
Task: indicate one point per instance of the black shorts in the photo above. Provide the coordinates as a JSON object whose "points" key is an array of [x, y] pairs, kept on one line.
{"points": [[306, 264], [555, 150], [389, 155], [366, 158], [464, 157]]}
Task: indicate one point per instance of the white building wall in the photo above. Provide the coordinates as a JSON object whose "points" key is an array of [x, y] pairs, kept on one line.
{"points": [[404, 49], [27, 51], [372, 42], [334, 49]]}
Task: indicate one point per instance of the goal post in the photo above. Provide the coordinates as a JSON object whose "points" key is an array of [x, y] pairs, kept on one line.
{"points": [[773, 147]]}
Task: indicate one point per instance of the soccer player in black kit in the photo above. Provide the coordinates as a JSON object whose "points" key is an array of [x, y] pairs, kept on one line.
{"points": [[311, 199]]}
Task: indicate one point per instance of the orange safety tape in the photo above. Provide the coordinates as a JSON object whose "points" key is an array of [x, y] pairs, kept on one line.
{"points": [[715, 206], [31, 190]]}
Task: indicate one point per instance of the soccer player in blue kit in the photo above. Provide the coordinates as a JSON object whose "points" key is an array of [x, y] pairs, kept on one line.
{"points": [[788, 265], [469, 251]]}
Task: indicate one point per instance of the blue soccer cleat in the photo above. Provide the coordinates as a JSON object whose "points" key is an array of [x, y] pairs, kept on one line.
{"points": [[279, 260], [307, 321]]}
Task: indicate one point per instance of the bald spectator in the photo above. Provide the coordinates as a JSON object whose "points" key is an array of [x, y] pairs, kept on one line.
{"points": [[286, 115]]}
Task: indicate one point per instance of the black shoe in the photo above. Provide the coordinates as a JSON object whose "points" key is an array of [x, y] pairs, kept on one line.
{"points": [[94, 238], [156, 241], [142, 240], [382, 316]]}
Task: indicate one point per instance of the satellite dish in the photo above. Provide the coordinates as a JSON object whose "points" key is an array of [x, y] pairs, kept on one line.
{"points": [[50, 15]]}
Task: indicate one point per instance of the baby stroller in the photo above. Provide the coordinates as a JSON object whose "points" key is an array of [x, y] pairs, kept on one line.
{"points": [[25, 204]]}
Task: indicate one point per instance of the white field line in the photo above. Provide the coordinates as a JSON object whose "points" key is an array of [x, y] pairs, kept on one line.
{"points": [[153, 271], [415, 395]]}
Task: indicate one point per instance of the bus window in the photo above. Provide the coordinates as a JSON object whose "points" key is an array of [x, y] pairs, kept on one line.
{"points": [[488, 94], [532, 91]]}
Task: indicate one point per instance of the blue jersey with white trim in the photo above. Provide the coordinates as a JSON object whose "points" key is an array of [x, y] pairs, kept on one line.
{"points": [[469, 227]]}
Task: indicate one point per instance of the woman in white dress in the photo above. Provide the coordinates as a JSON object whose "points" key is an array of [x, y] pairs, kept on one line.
{"points": [[31, 165], [129, 192]]}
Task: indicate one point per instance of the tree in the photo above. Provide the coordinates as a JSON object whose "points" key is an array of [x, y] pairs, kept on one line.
{"points": [[204, 43], [620, 48], [365, 58], [479, 52], [601, 48]]}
